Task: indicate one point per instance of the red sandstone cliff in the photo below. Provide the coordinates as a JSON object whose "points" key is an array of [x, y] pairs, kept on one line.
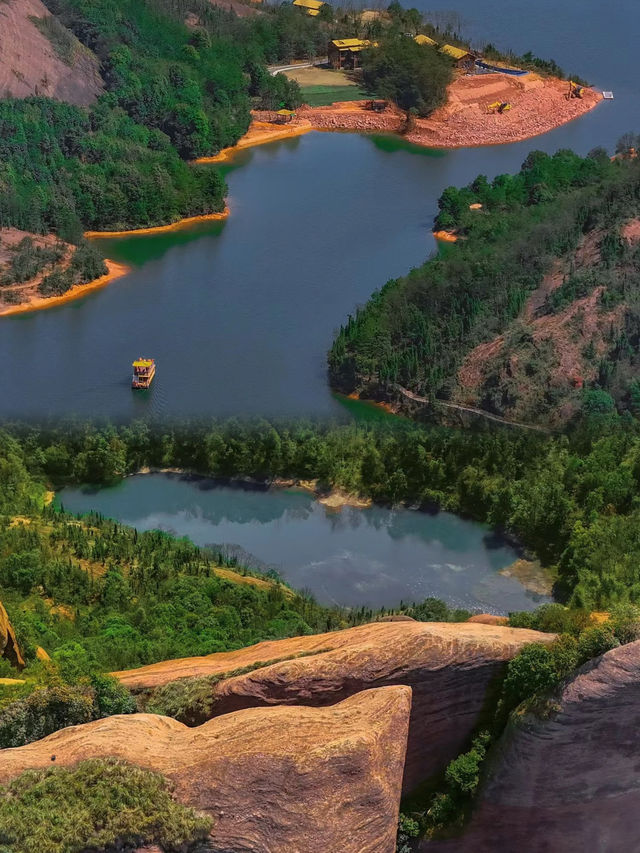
{"points": [[275, 780], [570, 782], [449, 667]]}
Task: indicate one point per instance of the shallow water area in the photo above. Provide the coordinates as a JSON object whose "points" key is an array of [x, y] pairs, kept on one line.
{"points": [[371, 557]]}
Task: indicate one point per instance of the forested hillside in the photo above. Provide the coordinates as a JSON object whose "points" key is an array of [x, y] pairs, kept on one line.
{"points": [[174, 92], [532, 309]]}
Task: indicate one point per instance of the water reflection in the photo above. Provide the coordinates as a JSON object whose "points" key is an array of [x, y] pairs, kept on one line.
{"points": [[373, 556]]}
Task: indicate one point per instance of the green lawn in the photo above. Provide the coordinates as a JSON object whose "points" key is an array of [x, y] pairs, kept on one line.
{"points": [[321, 96]]}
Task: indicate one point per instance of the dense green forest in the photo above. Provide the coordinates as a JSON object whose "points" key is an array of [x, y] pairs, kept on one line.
{"points": [[174, 93], [416, 330], [65, 170], [571, 499]]}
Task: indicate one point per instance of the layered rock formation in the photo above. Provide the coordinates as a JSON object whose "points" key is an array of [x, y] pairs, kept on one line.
{"points": [[8, 644], [273, 780], [450, 668], [569, 782]]}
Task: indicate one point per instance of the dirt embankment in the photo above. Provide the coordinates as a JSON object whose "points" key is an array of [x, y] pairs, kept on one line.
{"points": [[538, 105], [38, 56], [25, 296]]}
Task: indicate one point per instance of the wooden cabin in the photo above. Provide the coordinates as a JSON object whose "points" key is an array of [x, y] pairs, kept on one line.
{"points": [[311, 7], [345, 53], [464, 61]]}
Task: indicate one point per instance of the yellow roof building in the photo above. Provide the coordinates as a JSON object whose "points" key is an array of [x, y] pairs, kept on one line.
{"points": [[454, 52], [312, 7], [422, 39], [353, 45]]}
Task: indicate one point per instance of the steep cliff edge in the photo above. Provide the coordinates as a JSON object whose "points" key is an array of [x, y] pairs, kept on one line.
{"points": [[277, 779], [8, 644], [449, 666], [569, 782], [39, 56]]}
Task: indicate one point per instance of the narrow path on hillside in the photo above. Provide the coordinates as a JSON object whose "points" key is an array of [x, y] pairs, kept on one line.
{"points": [[417, 399]]}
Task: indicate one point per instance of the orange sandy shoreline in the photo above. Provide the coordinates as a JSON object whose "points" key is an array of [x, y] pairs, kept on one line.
{"points": [[157, 229], [259, 133], [37, 303], [538, 106]]}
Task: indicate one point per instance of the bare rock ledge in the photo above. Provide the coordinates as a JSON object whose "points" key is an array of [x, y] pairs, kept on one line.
{"points": [[449, 666], [273, 779]]}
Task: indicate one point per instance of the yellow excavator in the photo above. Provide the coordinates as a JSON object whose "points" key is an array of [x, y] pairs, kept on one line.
{"points": [[575, 90], [498, 107]]}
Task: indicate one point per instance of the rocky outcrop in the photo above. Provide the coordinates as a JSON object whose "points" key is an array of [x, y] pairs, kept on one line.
{"points": [[571, 781], [39, 56], [272, 779], [450, 668], [8, 644]]}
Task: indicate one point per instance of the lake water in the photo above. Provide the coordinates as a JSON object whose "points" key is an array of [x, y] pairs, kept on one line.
{"points": [[374, 557], [239, 315]]}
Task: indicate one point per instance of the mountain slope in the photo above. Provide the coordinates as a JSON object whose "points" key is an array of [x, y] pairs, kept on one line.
{"points": [[38, 56]]}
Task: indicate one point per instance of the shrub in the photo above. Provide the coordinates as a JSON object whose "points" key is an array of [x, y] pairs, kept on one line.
{"points": [[43, 712], [531, 671], [596, 641], [189, 700], [625, 620], [111, 697], [97, 805]]}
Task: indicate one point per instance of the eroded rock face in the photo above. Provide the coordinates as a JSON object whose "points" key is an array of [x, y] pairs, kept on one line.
{"points": [[571, 782], [449, 667], [273, 779], [8, 644]]}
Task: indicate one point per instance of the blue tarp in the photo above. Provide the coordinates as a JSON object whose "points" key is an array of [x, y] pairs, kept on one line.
{"points": [[515, 72]]}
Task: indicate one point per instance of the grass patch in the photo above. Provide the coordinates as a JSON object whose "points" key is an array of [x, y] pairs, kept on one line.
{"points": [[322, 96], [97, 805], [322, 86]]}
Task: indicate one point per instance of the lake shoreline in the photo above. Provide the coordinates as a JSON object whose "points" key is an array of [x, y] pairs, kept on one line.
{"points": [[538, 105], [187, 222], [115, 270], [433, 577], [331, 498]]}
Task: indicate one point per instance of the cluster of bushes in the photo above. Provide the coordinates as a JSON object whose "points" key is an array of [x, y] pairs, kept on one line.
{"points": [[100, 804], [28, 259], [411, 75], [66, 691], [86, 265]]}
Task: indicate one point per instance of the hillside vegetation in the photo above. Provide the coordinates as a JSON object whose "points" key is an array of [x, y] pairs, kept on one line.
{"points": [[530, 312]]}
